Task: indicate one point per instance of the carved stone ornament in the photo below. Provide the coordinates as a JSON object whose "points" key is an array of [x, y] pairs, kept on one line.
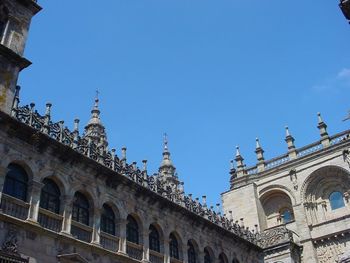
{"points": [[346, 156], [10, 244], [294, 178]]}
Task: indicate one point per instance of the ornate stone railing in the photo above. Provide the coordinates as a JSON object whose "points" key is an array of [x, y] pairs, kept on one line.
{"points": [[7, 258], [81, 231], [109, 242], [274, 236], [50, 220], [156, 257], [14, 207], [108, 158], [276, 161], [134, 250], [301, 152]]}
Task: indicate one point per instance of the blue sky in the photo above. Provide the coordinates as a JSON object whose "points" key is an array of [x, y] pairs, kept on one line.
{"points": [[212, 74]]}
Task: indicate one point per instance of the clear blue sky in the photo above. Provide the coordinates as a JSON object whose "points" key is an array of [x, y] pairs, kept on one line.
{"points": [[212, 74]]}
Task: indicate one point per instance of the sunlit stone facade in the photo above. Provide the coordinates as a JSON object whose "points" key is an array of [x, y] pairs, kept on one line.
{"points": [[305, 190]]}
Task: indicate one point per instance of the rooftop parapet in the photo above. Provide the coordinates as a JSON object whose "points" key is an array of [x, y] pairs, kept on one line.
{"points": [[101, 154], [293, 153]]}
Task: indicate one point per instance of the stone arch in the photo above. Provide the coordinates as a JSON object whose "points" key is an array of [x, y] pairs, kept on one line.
{"points": [[139, 222], [323, 175], [160, 231], [278, 187], [223, 258], [196, 249], [58, 181], [316, 190], [277, 206], [180, 242], [91, 200], [27, 165], [210, 252]]}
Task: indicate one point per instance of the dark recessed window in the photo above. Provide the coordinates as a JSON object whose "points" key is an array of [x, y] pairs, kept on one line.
{"points": [[132, 230], [154, 242], [173, 247], [207, 258], [50, 196], [107, 220], [336, 200], [16, 182], [222, 258], [191, 253], [81, 208]]}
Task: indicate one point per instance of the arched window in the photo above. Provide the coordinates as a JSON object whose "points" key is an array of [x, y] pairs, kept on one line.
{"points": [[191, 253], [154, 243], [81, 208], [207, 257], [132, 230], [16, 182], [286, 215], [336, 200], [173, 246], [50, 196], [108, 220], [222, 258], [4, 17]]}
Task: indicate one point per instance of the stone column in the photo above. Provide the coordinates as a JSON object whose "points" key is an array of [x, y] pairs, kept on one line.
{"points": [[184, 253], [145, 256], [67, 202], [34, 201], [122, 237], [166, 251], [96, 231], [3, 171]]}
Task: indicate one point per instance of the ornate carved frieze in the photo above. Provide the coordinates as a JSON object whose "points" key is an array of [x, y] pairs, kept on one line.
{"points": [[333, 249]]}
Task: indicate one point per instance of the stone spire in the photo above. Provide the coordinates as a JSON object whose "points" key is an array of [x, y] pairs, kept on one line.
{"points": [[292, 153], [94, 130], [239, 162], [322, 126], [259, 155], [167, 170]]}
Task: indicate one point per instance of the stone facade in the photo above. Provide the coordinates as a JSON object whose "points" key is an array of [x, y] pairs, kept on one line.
{"points": [[305, 190], [66, 197]]}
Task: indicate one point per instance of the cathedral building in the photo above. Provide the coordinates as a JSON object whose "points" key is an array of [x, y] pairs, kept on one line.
{"points": [[67, 196]]}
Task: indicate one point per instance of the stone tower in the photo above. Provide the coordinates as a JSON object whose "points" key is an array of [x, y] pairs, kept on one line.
{"points": [[15, 18]]}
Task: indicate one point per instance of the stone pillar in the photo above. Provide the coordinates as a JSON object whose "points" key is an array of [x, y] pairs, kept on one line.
{"points": [[67, 202], [34, 201], [96, 229], [122, 237], [166, 251], [184, 253], [145, 256], [3, 171]]}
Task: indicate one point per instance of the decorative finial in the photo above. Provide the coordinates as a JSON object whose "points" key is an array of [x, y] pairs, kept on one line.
{"points": [[165, 142], [290, 143], [287, 131], [319, 118], [257, 143], [238, 153], [322, 126]]}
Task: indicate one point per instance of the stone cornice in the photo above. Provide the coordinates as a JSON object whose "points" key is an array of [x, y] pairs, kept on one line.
{"points": [[31, 4], [14, 58]]}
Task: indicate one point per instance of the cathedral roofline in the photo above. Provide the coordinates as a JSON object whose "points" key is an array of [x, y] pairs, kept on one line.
{"points": [[69, 147]]}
